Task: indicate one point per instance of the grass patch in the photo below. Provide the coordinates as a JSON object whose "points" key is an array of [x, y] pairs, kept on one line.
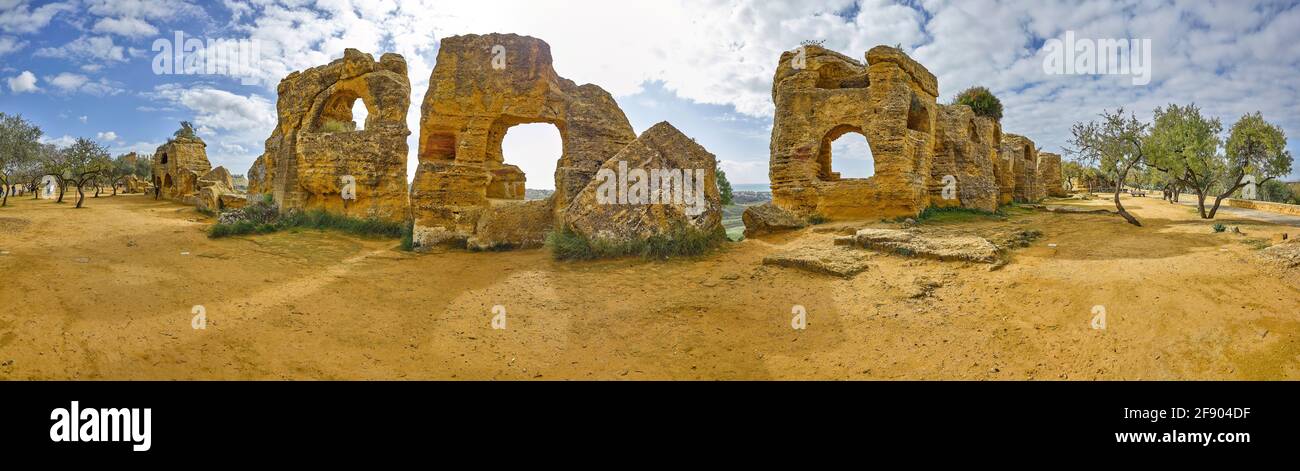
{"points": [[817, 219], [565, 244], [319, 220], [958, 214], [1257, 243]]}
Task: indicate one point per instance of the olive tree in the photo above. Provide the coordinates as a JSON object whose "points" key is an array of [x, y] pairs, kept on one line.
{"points": [[1113, 143], [19, 143], [1255, 147]]}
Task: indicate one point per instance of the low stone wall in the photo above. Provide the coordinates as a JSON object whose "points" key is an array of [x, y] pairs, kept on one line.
{"points": [[1280, 208]]}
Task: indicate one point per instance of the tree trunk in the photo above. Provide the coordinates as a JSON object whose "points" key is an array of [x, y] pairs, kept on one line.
{"points": [[81, 195], [1120, 206], [1200, 202], [63, 187]]}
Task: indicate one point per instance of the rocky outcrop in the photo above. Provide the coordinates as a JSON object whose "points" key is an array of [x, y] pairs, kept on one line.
{"points": [[660, 184], [821, 95], [768, 218], [1023, 157], [481, 86], [964, 170], [1049, 175], [947, 248], [318, 157]]}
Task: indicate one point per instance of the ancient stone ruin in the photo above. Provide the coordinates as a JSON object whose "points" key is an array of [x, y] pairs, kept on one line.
{"points": [[464, 192], [319, 157], [925, 154], [964, 171], [178, 164], [821, 95], [1023, 156], [1049, 173]]}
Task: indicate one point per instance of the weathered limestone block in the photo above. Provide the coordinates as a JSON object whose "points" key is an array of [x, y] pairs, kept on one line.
{"points": [[177, 166], [135, 184], [622, 204], [315, 157], [1049, 174], [837, 261], [768, 218], [217, 175], [513, 225], [480, 87], [1023, 157], [964, 248], [963, 172], [821, 95]]}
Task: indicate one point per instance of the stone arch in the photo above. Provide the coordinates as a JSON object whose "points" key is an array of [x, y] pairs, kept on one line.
{"points": [[825, 157], [465, 115], [164, 159], [507, 180]]}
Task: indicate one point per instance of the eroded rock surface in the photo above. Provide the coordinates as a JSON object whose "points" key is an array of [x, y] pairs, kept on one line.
{"points": [[1049, 175], [947, 248], [177, 166], [481, 86], [1023, 157], [836, 261], [819, 96], [768, 218], [318, 153], [662, 167], [963, 172]]}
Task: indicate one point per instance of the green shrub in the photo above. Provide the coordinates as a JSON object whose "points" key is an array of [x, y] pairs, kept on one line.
{"points": [[981, 101], [1219, 227], [565, 244], [817, 219]]}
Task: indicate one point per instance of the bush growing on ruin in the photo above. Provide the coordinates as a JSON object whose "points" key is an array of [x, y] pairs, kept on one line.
{"points": [[981, 101], [565, 244]]}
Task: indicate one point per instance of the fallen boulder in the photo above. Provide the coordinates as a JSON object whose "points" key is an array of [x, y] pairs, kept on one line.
{"points": [[768, 218], [661, 183]]}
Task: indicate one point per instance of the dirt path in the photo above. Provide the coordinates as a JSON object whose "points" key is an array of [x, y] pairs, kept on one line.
{"points": [[108, 291]]}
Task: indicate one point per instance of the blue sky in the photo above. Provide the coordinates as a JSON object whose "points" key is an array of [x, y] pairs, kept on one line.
{"points": [[83, 68]]}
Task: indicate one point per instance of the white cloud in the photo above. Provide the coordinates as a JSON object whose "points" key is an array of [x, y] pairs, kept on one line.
{"points": [[68, 82], [106, 136], [88, 49], [24, 82], [63, 141], [148, 9], [83, 119], [9, 44], [234, 126], [128, 27], [17, 16]]}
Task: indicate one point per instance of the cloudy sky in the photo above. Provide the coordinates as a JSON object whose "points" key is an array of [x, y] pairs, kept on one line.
{"points": [[84, 67]]}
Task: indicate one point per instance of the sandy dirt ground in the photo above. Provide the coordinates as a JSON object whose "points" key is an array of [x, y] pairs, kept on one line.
{"points": [[107, 292]]}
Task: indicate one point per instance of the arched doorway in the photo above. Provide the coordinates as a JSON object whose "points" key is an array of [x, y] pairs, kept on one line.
{"points": [[845, 154]]}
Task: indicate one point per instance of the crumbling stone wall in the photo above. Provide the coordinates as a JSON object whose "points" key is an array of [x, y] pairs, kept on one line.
{"points": [[819, 96], [963, 172], [480, 87], [316, 144], [1023, 157], [177, 166], [1049, 174]]}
